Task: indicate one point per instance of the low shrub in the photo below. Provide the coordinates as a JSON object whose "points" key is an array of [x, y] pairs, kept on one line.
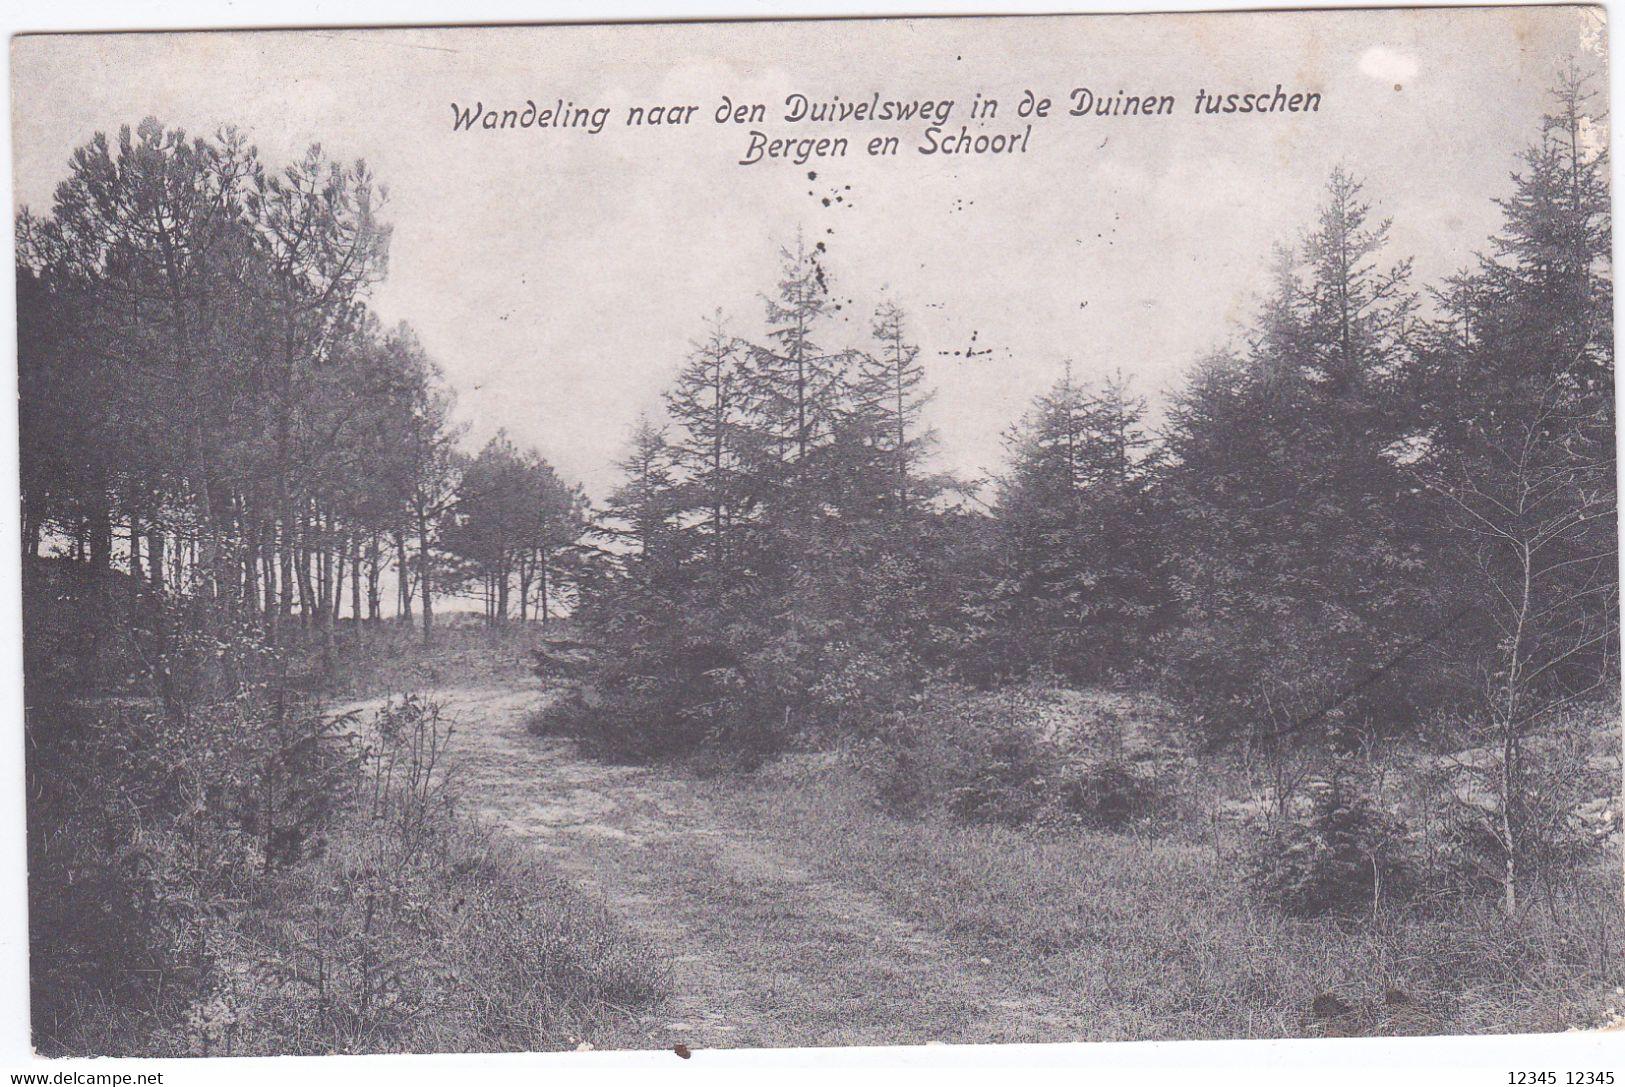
{"points": [[669, 701], [468, 946], [416, 930], [152, 815], [1109, 794], [251, 876], [1564, 809], [1343, 858], [1021, 755]]}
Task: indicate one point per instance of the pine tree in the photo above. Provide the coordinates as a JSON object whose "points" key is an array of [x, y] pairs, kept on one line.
{"points": [[776, 532], [796, 388], [642, 513], [1520, 458], [889, 400], [1081, 590], [708, 404], [1297, 540], [1354, 312], [427, 470]]}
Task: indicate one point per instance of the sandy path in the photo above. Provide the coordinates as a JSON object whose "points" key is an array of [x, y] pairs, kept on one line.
{"points": [[764, 951]]}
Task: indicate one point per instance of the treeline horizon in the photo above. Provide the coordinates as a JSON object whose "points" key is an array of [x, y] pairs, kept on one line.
{"points": [[200, 377], [1390, 513], [1398, 496]]}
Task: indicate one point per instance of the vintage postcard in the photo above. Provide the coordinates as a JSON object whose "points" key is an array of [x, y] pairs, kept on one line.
{"points": [[819, 533]]}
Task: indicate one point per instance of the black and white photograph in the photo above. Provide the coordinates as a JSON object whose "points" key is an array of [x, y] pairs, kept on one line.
{"points": [[785, 533]]}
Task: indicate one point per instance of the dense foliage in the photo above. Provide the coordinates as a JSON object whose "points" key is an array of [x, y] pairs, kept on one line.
{"points": [[206, 402], [1390, 506]]}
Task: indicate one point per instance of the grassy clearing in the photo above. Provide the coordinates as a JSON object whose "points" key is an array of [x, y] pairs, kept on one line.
{"points": [[1115, 936]]}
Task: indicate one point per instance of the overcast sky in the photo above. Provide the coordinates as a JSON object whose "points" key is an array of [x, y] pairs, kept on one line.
{"points": [[558, 276]]}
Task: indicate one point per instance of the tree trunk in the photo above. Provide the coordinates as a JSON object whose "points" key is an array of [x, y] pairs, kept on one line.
{"points": [[324, 573], [541, 604], [101, 539], [355, 583], [403, 578], [33, 523], [273, 609], [525, 576], [339, 556], [1511, 712], [136, 573], [307, 591], [209, 557], [425, 585], [1509, 901], [286, 576], [251, 566], [374, 565], [155, 558]]}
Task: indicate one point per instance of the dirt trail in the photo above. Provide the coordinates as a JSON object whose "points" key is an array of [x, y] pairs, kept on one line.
{"points": [[764, 951]]}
